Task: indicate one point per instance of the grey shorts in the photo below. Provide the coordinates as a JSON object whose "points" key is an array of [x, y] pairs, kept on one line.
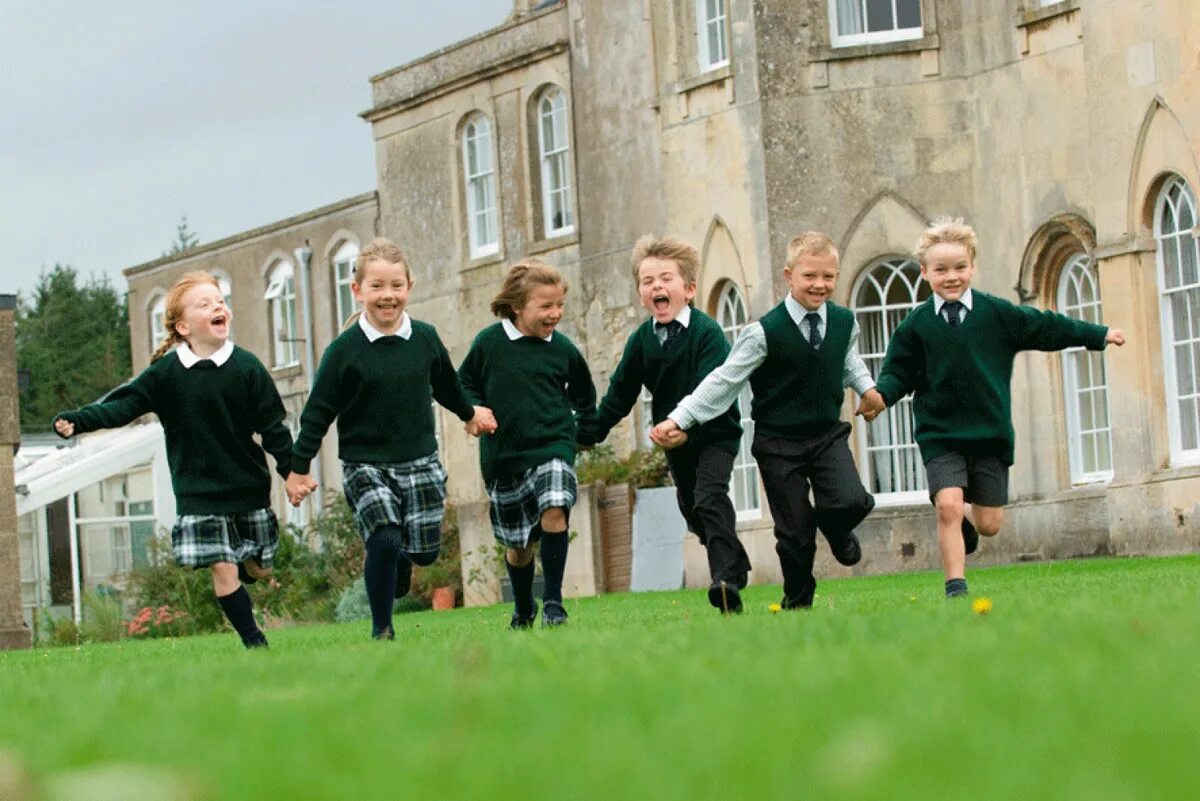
{"points": [[984, 479]]}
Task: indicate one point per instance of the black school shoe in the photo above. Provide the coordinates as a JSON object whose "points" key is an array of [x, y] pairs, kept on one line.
{"points": [[403, 576], [850, 552], [970, 535], [257, 640], [520, 621], [388, 633], [553, 613], [725, 597]]}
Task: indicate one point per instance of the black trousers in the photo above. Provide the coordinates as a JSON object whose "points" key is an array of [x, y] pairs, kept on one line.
{"points": [[701, 476], [823, 463]]}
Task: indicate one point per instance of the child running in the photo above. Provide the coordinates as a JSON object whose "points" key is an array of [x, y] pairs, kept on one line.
{"points": [[211, 398], [378, 379], [536, 382], [955, 353]]}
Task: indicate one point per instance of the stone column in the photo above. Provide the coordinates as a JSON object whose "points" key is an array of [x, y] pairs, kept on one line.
{"points": [[13, 631]]}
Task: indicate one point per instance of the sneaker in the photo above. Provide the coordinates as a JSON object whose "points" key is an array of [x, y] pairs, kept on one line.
{"points": [[403, 576], [520, 621], [956, 588], [388, 633], [256, 640], [553, 613], [970, 536], [725, 596], [851, 551]]}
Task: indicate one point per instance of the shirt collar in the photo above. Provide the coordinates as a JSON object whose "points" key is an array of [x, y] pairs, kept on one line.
{"points": [[797, 312], [683, 318], [939, 302], [514, 333], [373, 333], [189, 359]]}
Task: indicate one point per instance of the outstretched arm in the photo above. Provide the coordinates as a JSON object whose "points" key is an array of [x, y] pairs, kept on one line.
{"points": [[120, 407]]}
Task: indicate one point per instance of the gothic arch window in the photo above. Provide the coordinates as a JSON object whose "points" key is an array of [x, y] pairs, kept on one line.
{"points": [[281, 300], [1179, 287], [344, 259], [884, 295], [479, 173], [732, 315], [158, 322], [554, 160], [1085, 379], [225, 283]]}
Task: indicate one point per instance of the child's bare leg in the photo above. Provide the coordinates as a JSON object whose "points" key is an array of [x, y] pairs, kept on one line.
{"points": [[949, 505], [256, 570], [988, 519], [519, 557], [225, 579]]}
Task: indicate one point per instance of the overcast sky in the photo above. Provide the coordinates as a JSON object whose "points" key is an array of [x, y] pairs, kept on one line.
{"points": [[117, 118]]}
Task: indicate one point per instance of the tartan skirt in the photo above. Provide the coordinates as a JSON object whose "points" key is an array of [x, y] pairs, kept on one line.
{"points": [[203, 540], [409, 495], [517, 504]]}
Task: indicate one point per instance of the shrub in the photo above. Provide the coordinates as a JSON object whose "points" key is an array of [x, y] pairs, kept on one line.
{"points": [[641, 468], [352, 604]]}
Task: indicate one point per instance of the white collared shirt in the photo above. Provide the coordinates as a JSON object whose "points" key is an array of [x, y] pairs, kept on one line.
{"points": [[188, 358], [373, 333], [939, 302], [514, 333], [683, 318]]}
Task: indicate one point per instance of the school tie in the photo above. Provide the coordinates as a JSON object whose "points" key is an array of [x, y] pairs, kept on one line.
{"points": [[953, 311], [814, 334], [672, 328]]}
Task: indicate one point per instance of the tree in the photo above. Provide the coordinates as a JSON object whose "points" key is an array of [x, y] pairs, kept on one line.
{"points": [[185, 239], [73, 340]]}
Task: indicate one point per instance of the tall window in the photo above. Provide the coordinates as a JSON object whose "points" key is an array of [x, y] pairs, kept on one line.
{"points": [[158, 322], [226, 286], [343, 274], [712, 34], [281, 295], [855, 22], [885, 294], [733, 317], [482, 227], [555, 150], [1089, 435], [1179, 283]]}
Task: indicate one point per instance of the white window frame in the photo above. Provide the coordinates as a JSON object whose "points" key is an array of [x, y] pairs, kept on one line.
{"points": [[712, 27], [838, 39], [894, 428], [1078, 297], [733, 314], [1175, 198], [281, 299], [479, 175], [344, 259], [158, 322], [225, 284], [552, 109]]}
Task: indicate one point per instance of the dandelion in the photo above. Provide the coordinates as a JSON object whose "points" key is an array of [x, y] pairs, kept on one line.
{"points": [[775, 608], [981, 606]]}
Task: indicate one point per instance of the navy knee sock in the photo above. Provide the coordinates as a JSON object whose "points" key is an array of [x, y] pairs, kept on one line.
{"points": [[554, 563], [379, 575], [522, 587], [238, 607]]}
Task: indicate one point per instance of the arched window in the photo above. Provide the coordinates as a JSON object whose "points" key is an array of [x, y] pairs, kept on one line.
{"points": [[554, 150], [281, 295], [732, 316], [158, 322], [1085, 382], [885, 294], [343, 274], [1179, 285], [712, 34], [226, 285], [480, 176]]}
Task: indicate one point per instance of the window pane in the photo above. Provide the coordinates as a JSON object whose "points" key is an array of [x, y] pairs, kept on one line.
{"points": [[1189, 260], [1169, 247], [908, 13], [1188, 424], [850, 17], [879, 16], [1179, 314], [1184, 370]]}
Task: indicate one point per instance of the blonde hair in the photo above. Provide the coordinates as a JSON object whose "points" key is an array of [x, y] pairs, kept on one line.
{"points": [[812, 243], [519, 284], [378, 249], [947, 230], [173, 309], [668, 248]]}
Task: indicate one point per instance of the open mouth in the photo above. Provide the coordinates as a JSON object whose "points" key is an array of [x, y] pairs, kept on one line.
{"points": [[220, 319], [662, 302]]}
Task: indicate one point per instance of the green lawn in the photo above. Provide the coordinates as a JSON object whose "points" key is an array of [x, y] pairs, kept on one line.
{"points": [[1082, 683]]}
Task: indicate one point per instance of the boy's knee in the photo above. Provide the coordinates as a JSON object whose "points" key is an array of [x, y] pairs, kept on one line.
{"points": [[519, 557], [988, 522], [225, 578], [554, 520], [949, 506]]}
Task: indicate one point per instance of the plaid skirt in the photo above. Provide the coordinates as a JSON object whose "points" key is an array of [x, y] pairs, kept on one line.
{"points": [[202, 540], [517, 504], [409, 495]]}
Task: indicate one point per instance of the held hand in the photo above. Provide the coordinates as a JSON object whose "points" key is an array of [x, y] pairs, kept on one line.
{"points": [[64, 427], [870, 405], [484, 422], [299, 486], [667, 435], [1115, 336]]}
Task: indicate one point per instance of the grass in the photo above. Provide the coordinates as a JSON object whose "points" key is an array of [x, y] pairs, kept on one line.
{"points": [[1083, 683]]}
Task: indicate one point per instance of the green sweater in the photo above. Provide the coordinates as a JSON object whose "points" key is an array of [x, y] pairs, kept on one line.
{"points": [[798, 389], [669, 376], [535, 388], [209, 415], [382, 395], [961, 376]]}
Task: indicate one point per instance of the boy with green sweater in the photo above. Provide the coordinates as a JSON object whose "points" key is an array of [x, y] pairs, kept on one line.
{"points": [[670, 354], [955, 353], [798, 358]]}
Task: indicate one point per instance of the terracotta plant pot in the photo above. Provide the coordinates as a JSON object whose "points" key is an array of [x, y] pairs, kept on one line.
{"points": [[443, 598]]}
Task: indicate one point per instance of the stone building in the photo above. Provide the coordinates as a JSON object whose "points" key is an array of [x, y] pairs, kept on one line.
{"points": [[1067, 132]]}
